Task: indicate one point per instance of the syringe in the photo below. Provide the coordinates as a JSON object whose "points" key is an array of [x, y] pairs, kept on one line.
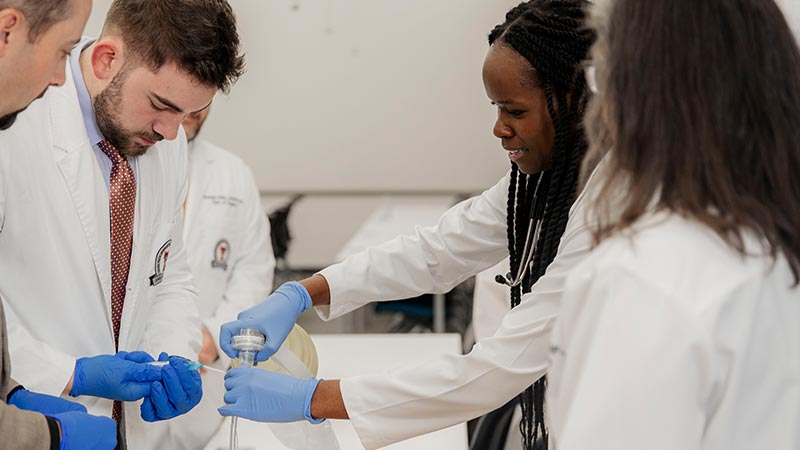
{"points": [[191, 365]]}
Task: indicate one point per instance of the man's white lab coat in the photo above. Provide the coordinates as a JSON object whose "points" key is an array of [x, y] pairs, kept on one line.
{"points": [[55, 250], [470, 237]]}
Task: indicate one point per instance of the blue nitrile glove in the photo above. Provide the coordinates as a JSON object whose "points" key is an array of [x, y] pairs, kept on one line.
{"points": [[178, 392], [81, 431], [139, 357], [275, 317], [123, 376], [266, 396], [43, 403]]}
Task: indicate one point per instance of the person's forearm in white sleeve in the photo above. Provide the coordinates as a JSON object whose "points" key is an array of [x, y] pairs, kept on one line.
{"points": [[432, 395], [469, 237]]}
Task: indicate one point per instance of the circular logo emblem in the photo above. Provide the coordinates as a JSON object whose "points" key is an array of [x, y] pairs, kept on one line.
{"points": [[160, 265], [222, 253]]}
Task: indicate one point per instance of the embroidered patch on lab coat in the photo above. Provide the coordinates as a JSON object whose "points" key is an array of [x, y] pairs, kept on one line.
{"points": [[222, 252], [160, 264]]}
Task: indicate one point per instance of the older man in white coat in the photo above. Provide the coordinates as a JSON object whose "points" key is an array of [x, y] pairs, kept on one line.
{"points": [[100, 166], [36, 33]]}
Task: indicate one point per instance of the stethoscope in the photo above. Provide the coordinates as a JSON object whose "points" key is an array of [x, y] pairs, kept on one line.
{"points": [[534, 228]]}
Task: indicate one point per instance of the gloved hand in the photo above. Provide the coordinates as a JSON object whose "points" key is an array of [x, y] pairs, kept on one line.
{"points": [[124, 376], [179, 391], [81, 431], [43, 403], [275, 317], [266, 396], [139, 357]]}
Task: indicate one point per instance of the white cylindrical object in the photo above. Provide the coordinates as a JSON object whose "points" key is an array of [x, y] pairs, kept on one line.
{"points": [[248, 342]]}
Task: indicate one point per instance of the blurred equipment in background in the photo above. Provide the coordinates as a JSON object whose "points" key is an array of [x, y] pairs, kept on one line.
{"points": [[280, 234]]}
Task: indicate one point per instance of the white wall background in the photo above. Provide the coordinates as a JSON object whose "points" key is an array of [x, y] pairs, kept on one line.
{"points": [[361, 94], [364, 94], [791, 9]]}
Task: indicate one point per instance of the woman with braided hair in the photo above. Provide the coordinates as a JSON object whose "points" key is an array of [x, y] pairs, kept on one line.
{"points": [[555, 53], [534, 74]]}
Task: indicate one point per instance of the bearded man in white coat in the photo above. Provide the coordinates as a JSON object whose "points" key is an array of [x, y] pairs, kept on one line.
{"points": [[100, 166]]}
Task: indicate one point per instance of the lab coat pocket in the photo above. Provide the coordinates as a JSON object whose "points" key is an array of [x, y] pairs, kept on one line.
{"points": [[152, 261]]}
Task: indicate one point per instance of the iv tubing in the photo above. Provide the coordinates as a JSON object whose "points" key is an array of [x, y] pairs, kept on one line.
{"points": [[249, 342]]}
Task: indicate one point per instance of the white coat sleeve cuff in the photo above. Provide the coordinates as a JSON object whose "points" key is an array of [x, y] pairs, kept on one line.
{"points": [[62, 368], [338, 306], [355, 404]]}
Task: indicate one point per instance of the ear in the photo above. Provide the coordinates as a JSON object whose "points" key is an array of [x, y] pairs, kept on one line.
{"points": [[11, 27], [106, 59]]}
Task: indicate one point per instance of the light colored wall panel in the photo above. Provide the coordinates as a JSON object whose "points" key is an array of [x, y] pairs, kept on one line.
{"points": [[361, 94]]}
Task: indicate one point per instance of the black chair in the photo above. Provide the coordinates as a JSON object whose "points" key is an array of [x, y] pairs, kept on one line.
{"points": [[279, 230]]}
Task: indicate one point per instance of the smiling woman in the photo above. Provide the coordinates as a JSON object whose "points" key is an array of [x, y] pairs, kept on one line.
{"points": [[534, 73], [523, 124]]}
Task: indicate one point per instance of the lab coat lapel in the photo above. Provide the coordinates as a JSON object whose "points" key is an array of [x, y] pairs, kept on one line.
{"points": [[147, 201], [75, 158]]}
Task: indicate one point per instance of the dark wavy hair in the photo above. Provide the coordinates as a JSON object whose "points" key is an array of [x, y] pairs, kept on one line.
{"points": [[200, 36], [701, 106], [553, 37]]}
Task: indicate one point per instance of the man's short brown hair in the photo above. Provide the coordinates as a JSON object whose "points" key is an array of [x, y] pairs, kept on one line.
{"points": [[40, 14], [200, 36]]}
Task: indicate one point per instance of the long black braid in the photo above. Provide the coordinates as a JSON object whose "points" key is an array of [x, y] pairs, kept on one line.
{"points": [[553, 37]]}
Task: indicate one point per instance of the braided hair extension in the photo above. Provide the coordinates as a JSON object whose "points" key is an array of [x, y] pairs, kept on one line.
{"points": [[553, 37]]}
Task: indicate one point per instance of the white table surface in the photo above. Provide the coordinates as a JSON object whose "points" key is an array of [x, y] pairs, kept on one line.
{"points": [[355, 354]]}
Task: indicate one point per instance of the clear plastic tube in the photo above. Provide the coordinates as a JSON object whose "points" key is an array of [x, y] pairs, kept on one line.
{"points": [[248, 342], [234, 440]]}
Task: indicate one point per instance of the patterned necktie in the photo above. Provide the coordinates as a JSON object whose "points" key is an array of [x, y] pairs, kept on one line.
{"points": [[121, 205]]}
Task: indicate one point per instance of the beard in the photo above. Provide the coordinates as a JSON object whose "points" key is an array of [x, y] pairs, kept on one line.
{"points": [[9, 119], [107, 106], [193, 136]]}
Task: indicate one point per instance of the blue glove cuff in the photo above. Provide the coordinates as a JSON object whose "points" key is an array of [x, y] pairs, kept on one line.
{"points": [[301, 292], [17, 396], [311, 387], [77, 379]]}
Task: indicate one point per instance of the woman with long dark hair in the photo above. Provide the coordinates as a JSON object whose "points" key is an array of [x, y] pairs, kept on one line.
{"points": [[682, 329], [534, 74]]}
